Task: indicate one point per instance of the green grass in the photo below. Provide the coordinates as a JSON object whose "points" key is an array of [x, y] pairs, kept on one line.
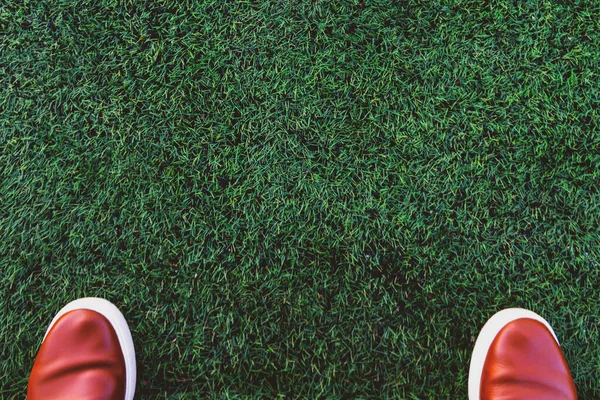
{"points": [[300, 198]]}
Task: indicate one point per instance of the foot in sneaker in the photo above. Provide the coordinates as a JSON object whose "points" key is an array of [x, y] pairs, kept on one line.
{"points": [[517, 356], [87, 353]]}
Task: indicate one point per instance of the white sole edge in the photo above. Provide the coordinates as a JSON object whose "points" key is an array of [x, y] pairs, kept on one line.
{"points": [[117, 320], [486, 337]]}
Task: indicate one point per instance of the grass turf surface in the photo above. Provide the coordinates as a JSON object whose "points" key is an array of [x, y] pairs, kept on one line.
{"points": [[300, 199]]}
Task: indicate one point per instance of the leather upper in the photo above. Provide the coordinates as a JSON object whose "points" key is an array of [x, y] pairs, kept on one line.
{"points": [[80, 358], [525, 362]]}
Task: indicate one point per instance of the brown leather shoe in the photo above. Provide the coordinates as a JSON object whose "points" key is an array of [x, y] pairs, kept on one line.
{"points": [[87, 353], [517, 356]]}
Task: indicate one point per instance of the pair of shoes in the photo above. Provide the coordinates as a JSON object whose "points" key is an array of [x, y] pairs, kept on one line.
{"points": [[88, 353], [517, 356]]}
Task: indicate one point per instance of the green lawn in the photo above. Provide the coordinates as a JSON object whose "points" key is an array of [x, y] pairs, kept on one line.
{"points": [[300, 198]]}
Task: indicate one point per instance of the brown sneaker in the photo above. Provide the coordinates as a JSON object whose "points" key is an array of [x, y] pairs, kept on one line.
{"points": [[517, 356], [87, 353]]}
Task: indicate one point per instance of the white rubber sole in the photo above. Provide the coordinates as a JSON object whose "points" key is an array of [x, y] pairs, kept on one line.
{"points": [[114, 316], [486, 337]]}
